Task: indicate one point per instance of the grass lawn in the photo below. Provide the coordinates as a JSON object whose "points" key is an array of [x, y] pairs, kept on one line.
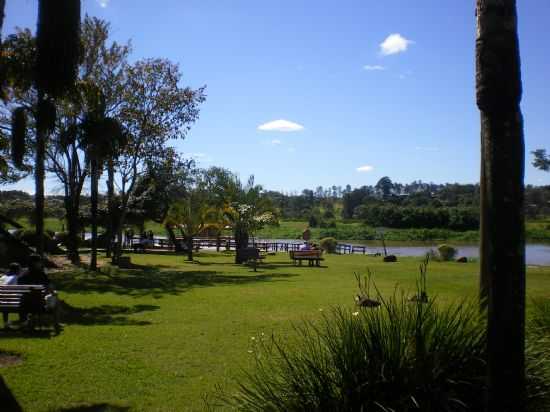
{"points": [[161, 337]]}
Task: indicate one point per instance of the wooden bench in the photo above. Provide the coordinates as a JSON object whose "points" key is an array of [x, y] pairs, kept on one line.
{"points": [[25, 300], [250, 254], [313, 257]]}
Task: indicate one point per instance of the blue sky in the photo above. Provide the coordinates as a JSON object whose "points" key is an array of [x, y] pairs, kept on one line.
{"points": [[371, 88]]}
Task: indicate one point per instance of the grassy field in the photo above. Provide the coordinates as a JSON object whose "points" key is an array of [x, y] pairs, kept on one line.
{"points": [[164, 335]]}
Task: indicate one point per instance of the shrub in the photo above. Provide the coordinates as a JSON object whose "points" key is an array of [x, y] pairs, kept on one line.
{"points": [[403, 357], [446, 252], [328, 244]]}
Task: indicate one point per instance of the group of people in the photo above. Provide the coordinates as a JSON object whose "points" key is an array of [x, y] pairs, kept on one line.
{"points": [[145, 238], [34, 275]]}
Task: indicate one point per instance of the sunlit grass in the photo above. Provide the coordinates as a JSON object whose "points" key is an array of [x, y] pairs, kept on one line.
{"points": [[160, 337]]}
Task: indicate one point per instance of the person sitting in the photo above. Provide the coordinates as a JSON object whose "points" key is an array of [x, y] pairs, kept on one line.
{"points": [[305, 246], [11, 276], [35, 274]]}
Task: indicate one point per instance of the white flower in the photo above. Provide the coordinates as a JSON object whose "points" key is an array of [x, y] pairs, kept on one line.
{"points": [[355, 313]]}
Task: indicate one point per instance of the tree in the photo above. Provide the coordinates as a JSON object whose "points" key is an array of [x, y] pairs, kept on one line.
{"points": [[498, 90], [384, 186], [103, 137], [155, 109], [57, 55], [541, 160], [249, 210], [167, 177], [190, 214]]}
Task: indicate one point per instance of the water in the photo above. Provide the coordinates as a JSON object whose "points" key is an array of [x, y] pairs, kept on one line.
{"points": [[535, 254]]}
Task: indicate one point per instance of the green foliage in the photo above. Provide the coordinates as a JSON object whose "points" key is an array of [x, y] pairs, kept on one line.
{"points": [[419, 217], [328, 244], [404, 356], [446, 252], [541, 160]]}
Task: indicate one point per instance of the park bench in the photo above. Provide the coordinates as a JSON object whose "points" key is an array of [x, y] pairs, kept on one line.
{"points": [[26, 299], [250, 254], [313, 257]]}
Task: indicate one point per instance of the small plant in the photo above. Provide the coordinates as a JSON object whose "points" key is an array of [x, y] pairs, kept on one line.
{"points": [[446, 252], [328, 244], [363, 299], [421, 284]]}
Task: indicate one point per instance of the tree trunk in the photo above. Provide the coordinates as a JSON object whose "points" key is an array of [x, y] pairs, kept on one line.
{"points": [[172, 237], [94, 172], [241, 242], [73, 229], [498, 88], [39, 175], [110, 206], [189, 248]]}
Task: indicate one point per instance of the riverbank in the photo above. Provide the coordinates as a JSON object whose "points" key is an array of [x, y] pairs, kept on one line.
{"points": [[536, 231]]}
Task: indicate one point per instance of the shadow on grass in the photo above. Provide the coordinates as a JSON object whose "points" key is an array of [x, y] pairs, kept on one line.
{"points": [[150, 281], [104, 315], [99, 407]]}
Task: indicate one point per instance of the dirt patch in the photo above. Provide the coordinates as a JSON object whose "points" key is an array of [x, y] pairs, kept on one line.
{"points": [[9, 359]]}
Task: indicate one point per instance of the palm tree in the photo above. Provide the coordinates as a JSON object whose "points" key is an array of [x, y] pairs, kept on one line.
{"points": [[247, 211], [498, 89], [58, 51], [191, 215]]}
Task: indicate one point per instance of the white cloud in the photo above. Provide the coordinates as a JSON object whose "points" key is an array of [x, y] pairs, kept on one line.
{"points": [[375, 67], [103, 3], [394, 43], [365, 168], [275, 142], [280, 126]]}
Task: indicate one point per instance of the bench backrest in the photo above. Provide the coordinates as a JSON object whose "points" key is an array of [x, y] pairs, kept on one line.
{"points": [[305, 254], [15, 296]]}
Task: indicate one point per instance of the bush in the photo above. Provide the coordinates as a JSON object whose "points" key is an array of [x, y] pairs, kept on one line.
{"points": [[328, 244], [446, 252], [401, 357]]}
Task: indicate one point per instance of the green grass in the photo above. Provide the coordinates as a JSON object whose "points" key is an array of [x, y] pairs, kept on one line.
{"points": [[161, 337]]}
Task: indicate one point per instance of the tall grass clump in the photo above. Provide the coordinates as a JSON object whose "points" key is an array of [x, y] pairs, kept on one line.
{"points": [[401, 356], [404, 355]]}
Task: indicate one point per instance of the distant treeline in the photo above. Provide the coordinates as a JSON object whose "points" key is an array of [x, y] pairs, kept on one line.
{"points": [[388, 204], [415, 205]]}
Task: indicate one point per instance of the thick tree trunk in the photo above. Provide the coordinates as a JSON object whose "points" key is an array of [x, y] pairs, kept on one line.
{"points": [[94, 172], [241, 242], [110, 205], [502, 189], [189, 248]]}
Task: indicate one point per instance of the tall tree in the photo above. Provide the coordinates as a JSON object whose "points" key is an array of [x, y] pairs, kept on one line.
{"points": [[155, 109], [498, 90], [58, 53]]}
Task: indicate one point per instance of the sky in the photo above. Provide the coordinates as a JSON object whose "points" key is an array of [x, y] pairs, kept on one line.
{"points": [[305, 93]]}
